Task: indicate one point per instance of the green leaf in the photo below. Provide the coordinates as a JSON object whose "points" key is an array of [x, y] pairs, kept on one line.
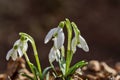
{"points": [[62, 64], [47, 76], [37, 74], [45, 71], [75, 67], [23, 74]]}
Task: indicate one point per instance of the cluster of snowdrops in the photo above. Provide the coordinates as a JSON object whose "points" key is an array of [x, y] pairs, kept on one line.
{"points": [[57, 53]]}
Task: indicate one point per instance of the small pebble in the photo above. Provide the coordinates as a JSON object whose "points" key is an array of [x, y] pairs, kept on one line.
{"points": [[108, 68], [94, 65], [117, 77], [117, 66]]}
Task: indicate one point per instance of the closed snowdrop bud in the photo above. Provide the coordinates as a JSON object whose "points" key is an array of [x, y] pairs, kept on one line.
{"points": [[83, 44]]}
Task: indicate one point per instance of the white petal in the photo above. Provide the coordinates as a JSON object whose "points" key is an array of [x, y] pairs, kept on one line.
{"points": [[55, 42], [83, 44], [73, 45], [57, 55], [17, 42], [59, 40], [25, 46], [9, 54], [86, 48], [59, 29], [20, 52], [14, 55], [49, 35], [52, 55]]}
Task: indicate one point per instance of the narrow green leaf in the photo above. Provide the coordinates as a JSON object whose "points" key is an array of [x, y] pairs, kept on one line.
{"points": [[62, 64], [75, 67], [23, 74], [45, 71], [37, 74], [47, 76]]}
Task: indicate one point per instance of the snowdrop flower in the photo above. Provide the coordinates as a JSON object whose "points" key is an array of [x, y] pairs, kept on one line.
{"points": [[18, 48], [58, 35], [80, 42], [54, 54]]}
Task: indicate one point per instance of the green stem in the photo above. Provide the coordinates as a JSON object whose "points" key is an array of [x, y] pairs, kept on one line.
{"points": [[29, 64], [37, 58], [69, 52], [53, 68]]}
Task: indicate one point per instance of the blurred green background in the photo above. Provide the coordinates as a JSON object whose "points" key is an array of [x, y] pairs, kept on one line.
{"points": [[98, 20]]}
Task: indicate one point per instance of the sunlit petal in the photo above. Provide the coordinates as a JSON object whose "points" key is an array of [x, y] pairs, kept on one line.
{"points": [[49, 35], [83, 44]]}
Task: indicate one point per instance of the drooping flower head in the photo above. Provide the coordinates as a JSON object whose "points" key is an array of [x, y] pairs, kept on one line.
{"points": [[78, 40], [57, 35], [19, 46]]}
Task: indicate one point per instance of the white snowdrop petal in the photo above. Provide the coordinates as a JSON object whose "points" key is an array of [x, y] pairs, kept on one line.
{"points": [[57, 55], [9, 54], [60, 40], [14, 55], [83, 44], [49, 35], [86, 48], [52, 55], [20, 52], [25, 46], [79, 45], [55, 42], [73, 45], [17, 42], [59, 29]]}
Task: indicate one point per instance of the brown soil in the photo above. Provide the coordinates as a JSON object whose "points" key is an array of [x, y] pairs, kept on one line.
{"points": [[95, 70]]}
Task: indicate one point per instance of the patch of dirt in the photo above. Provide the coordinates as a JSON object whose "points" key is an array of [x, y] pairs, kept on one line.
{"points": [[14, 70], [95, 70]]}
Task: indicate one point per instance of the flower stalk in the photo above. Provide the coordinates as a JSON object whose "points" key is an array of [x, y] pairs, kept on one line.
{"points": [[34, 50], [30, 65]]}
